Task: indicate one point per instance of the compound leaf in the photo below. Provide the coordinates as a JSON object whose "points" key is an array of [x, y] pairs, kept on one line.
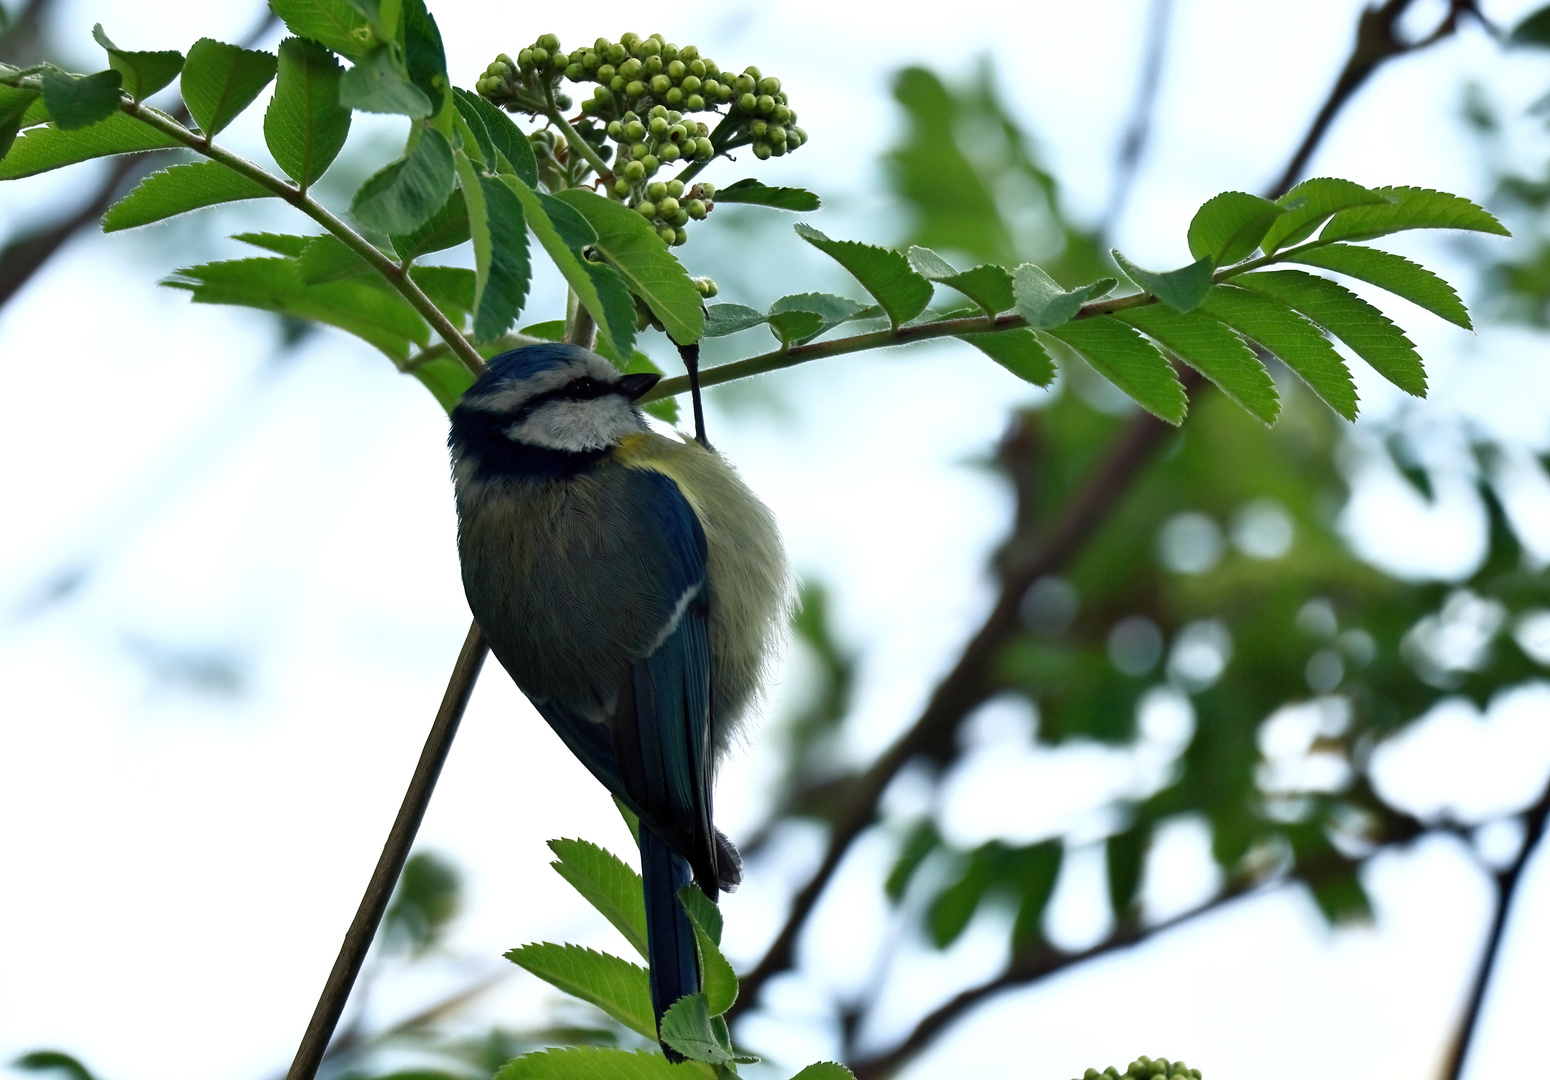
{"points": [[1130, 362], [1309, 204], [724, 319], [1395, 273], [1182, 289], [45, 148], [988, 285], [305, 126], [1018, 350], [753, 193], [591, 1063], [143, 73], [607, 883], [621, 989], [79, 101], [1410, 208], [406, 194], [447, 227], [1044, 304], [1230, 225], [337, 24], [378, 84], [498, 224]]}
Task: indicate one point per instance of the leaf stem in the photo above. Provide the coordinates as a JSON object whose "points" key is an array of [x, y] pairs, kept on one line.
{"points": [[577, 144], [390, 270]]}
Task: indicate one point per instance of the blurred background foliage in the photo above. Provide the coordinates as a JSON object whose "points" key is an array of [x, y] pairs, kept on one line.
{"points": [[1209, 619]]}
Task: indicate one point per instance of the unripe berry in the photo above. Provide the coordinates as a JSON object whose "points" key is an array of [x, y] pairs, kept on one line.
{"points": [[697, 68], [600, 46], [525, 58], [574, 72], [667, 233], [659, 111], [705, 286], [680, 237], [628, 39], [647, 210], [744, 84], [769, 85], [652, 46], [659, 125], [674, 96], [711, 87], [540, 56], [697, 209], [758, 128], [652, 164], [617, 84], [707, 149], [675, 188], [689, 53], [622, 187], [635, 172], [694, 103], [653, 65], [677, 133], [605, 72], [635, 131], [753, 72], [631, 68], [707, 189], [635, 88], [549, 41], [669, 52], [676, 70], [748, 103], [762, 150], [781, 115], [679, 220], [616, 53], [562, 101], [660, 84], [766, 104], [778, 149], [777, 135], [667, 206], [639, 151], [669, 152], [690, 83], [601, 94]]}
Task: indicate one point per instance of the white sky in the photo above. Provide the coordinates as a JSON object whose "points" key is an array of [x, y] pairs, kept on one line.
{"points": [[181, 865]]}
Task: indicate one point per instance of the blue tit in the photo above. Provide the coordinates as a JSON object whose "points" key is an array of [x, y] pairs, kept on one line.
{"points": [[635, 590]]}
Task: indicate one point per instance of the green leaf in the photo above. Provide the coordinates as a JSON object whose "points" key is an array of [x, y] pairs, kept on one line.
{"points": [[571, 227], [447, 227], [143, 73], [601, 291], [1353, 320], [1130, 362], [14, 103], [951, 911], [305, 126], [505, 138], [1231, 225], [719, 980], [221, 80], [1410, 208], [592, 1063], [1182, 289], [607, 883], [1288, 335], [724, 319], [406, 194], [1124, 854], [1017, 350], [499, 228], [279, 243], [377, 84], [178, 190], [825, 1070], [379, 316], [427, 898], [53, 1061], [1309, 204], [1395, 273], [988, 285], [451, 288], [423, 52], [621, 989], [1034, 871], [78, 101], [1533, 30], [753, 193], [332, 23], [445, 376], [45, 148], [1343, 900], [830, 310], [328, 258], [921, 842], [1044, 304], [885, 274], [1214, 351], [694, 1031], [650, 270]]}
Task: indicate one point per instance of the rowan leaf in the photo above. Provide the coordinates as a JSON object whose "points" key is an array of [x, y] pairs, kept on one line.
{"points": [[591, 1063], [453, 289], [447, 227], [827, 309], [43, 148], [606, 882], [378, 84], [1348, 317], [1309, 205], [143, 73], [1043, 304], [988, 285], [1230, 225], [1214, 351], [500, 134], [753, 193], [902, 293], [178, 190], [305, 126], [498, 225], [621, 989], [336, 24], [1182, 289], [79, 101], [1410, 208], [724, 319], [1395, 273], [1130, 362], [406, 194], [15, 102], [1281, 331], [1018, 350], [221, 80], [328, 258]]}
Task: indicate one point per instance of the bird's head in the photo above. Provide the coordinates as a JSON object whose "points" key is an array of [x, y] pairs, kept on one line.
{"points": [[552, 397]]}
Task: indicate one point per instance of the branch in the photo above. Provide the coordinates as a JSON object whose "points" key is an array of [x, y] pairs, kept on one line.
{"points": [[1506, 886], [352, 953]]}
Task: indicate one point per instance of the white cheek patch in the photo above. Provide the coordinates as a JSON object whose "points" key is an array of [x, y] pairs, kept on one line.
{"points": [[578, 426]]}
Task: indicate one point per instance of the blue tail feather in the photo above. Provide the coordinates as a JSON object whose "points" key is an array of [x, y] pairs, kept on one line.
{"points": [[670, 946]]}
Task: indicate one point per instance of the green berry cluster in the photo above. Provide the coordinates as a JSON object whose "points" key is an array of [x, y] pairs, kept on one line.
{"points": [[640, 116], [1145, 1068]]}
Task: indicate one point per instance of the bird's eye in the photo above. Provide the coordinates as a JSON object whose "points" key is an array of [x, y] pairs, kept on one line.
{"points": [[584, 388]]}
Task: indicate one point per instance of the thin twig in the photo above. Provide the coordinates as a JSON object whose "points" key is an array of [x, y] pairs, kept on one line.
{"points": [[352, 953], [1506, 886]]}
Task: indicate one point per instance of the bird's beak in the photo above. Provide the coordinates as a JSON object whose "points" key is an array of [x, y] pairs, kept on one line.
{"points": [[636, 386]]}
